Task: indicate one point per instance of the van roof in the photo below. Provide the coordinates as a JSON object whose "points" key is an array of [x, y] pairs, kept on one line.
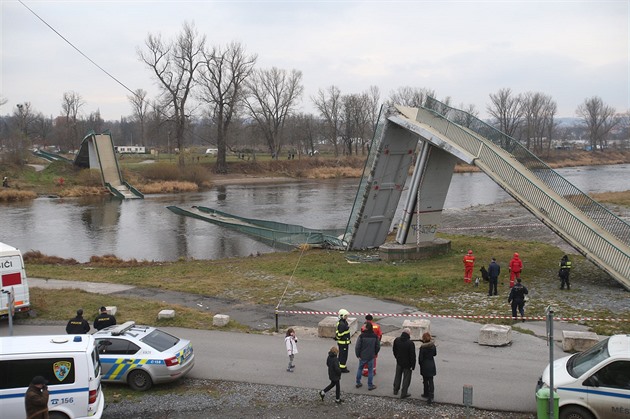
{"points": [[5, 248], [16, 345]]}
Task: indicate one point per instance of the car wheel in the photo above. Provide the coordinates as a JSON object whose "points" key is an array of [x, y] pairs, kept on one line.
{"points": [[575, 412], [139, 380]]}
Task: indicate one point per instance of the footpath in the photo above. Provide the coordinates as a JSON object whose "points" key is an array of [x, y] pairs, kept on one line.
{"points": [[502, 378]]}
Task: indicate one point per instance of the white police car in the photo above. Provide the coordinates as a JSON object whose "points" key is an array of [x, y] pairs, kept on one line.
{"points": [[142, 355], [594, 383]]}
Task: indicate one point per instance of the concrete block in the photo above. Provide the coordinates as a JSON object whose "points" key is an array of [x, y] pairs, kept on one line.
{"points": [[327, 327], [495, 335], [166, 314], [220, 320], [418, 327], [573, 341], [111, 310]]}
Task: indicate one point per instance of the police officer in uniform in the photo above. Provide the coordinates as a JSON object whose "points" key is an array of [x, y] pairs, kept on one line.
{"points": [[565, 269], [104, 320], [342, 336], [78, 325]]}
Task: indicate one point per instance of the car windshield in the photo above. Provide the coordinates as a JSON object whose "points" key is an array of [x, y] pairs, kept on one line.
{"points": [[584, 361], [160, 340]]}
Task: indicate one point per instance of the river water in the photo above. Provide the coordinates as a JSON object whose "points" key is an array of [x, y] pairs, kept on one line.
{"points": [[146, 230]]}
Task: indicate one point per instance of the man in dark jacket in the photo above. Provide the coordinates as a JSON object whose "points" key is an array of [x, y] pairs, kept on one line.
{"points": [[78, 325], [493, 277], [405, 354], [565, 270], [36, 399], [366, 349], [104, 320], [517, 299]]}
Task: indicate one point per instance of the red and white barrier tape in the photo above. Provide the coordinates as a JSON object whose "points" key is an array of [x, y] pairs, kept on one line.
{"points": [[452, 316]]}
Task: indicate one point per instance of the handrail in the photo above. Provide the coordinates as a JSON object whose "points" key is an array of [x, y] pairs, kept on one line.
{"points": [[594, 210]]}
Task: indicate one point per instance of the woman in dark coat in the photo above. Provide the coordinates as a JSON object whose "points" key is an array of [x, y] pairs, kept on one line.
{"points": [[427, 365], [334, 374]]}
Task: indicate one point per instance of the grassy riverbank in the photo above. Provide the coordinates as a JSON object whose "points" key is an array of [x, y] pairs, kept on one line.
{"points": [[434, 286]]}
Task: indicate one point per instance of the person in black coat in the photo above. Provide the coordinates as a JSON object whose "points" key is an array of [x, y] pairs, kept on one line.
{"points": [[405, 354], [78, 325], [517, 299], [494, 269], [366, 349], [334, 374], [427, 366], [104, 320]]}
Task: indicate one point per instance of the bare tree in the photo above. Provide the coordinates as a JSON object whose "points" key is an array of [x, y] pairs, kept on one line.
{"points": [[175, 65], [599, 119], [25, 117], [506, 109], [272, 96], [328, 103], [410, 96], [223, 76], [71, 104], [373, 95], [538, 116], [140, 107]]}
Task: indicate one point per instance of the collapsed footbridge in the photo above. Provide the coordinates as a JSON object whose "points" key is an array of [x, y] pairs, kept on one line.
{"points": [[445, 135], [97, 152]]}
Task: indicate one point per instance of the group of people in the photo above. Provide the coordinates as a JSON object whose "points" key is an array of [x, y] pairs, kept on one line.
{"points": [[367, 349], [79, 326], [491, 274]]}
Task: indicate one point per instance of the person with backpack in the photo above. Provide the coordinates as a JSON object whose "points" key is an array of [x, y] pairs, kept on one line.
{"points": [[517, 299]]}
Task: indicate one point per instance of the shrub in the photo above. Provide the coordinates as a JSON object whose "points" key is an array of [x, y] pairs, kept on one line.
{"points": [[14, 195]]}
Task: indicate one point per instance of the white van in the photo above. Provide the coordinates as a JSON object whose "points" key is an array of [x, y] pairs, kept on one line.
{"points": [[71, 365], [14, 280], [212, 151], [594, 383]]}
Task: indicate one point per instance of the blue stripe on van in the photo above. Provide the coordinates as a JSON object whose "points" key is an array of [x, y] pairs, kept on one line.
{"points": [[74, 390], [598, 392]]}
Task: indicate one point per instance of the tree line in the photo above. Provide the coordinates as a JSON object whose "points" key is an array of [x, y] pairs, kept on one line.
{"points": [[215, 94]]}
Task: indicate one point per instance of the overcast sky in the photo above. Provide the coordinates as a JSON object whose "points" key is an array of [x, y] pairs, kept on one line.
{"points": [[570, 50]]}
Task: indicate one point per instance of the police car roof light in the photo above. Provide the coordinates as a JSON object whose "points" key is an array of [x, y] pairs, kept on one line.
{"points": [[77, 339], [119, 330]]}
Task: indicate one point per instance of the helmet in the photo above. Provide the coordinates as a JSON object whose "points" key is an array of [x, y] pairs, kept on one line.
{"points": [[470, 252], [343, 312]]}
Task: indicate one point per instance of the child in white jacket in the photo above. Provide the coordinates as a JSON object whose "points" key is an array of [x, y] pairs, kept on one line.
{"points": [[290, 342]]}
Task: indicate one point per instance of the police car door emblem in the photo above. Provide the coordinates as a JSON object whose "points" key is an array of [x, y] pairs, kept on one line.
{"points": [[61, 369]]}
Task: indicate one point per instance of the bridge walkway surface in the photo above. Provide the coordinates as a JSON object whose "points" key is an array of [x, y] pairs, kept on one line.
{"points": [[97, 151], [583, 223]]}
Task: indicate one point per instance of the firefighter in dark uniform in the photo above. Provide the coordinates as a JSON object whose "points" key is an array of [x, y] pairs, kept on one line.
{"points": [[78, 325], [104, 320], [342, 336], [565, 269]]}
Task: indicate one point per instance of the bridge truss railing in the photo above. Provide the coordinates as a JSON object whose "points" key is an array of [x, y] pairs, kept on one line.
{"points": [[561, 218], [442, 117]]}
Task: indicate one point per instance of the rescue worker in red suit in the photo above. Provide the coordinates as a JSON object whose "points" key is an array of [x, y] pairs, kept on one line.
{"points": [[515, 267], [379, 334], [469, 265]]}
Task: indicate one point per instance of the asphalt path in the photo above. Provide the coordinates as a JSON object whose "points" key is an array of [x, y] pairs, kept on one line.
{"points": [[502, 378]]}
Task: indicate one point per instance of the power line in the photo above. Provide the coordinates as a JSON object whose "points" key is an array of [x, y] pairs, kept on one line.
{"points": [[77, 49]]}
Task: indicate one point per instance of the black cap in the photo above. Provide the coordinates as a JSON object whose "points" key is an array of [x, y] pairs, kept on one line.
{"points": [[103, 308], [38, 379]]}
